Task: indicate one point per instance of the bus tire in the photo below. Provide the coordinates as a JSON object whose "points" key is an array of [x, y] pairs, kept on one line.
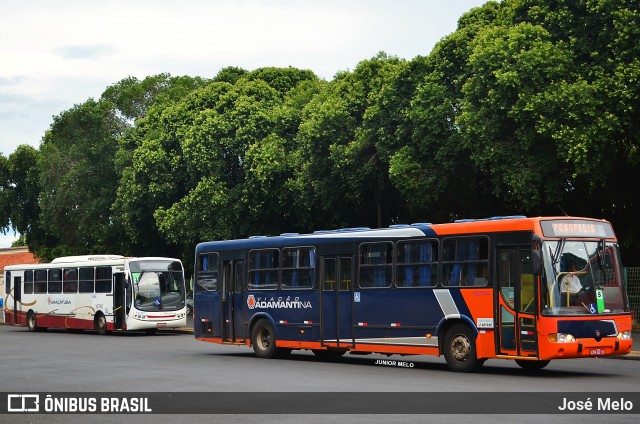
{"points": [[459, 349], [532, 365], [32, 323], [263, 339], [100, 324]]}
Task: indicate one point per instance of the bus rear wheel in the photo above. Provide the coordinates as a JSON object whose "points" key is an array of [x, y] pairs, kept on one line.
{"points": [[460, 349], [32, 323], [263, 339], [532, 365]]}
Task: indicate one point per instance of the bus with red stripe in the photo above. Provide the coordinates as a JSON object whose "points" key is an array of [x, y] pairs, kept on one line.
{"points": [[97, 292], [526, 289]]}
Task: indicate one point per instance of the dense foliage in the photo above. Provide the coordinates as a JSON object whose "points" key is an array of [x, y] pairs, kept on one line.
{"points": [[530, 107]]}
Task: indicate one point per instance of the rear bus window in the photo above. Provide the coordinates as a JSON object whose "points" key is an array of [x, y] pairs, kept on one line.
{"points": [[207, 272]]}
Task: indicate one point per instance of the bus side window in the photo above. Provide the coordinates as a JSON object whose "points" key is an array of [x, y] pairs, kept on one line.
{"points": [[417, 263], [86, 276], [298, 267], [40, 281], [466, 261], [264, 266], [28, 282], [376, 264], [70, 280]]}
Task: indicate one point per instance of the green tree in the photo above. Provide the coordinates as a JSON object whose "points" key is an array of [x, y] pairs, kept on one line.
{"points": [[132, 98], [20, 193], [78, 180], [348, 133], [213, 165], [548, 107]]}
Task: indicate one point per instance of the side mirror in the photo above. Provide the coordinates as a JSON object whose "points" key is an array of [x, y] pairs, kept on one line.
{"points": [[536, 262]]}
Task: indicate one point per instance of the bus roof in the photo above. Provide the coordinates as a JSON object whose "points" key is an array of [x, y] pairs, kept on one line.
{"points": [[400, 231], [87, 260]]}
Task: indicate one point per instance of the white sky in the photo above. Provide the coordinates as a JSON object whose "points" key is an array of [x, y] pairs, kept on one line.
{"points": [[57, 53]]}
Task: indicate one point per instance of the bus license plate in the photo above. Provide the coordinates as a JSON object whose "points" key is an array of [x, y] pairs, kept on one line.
{"points": [[596, 351], [161, 324]]}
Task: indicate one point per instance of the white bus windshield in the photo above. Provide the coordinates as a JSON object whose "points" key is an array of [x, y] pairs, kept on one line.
{"points": [[157, 285]]}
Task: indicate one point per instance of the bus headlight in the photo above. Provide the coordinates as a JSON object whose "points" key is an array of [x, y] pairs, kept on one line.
{"points": [[625, 335], [562, 337]]}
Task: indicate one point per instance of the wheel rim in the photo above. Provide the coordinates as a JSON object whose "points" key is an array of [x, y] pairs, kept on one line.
{"points": [[264, 339], [460, 348], [102, 323]]}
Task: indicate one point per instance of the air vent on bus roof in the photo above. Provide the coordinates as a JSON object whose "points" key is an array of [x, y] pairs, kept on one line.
{"points": [[493, 218], [353, 229]]}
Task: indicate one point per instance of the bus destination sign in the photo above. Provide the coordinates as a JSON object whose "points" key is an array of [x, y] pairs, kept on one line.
{"points": [[576, 228]]}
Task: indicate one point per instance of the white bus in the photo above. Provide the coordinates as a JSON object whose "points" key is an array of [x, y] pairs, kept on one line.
{"points": [[97, 292]]}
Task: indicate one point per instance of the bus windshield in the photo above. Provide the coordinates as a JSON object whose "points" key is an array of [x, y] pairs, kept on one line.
{"points": [[158, 285], [582, 277]]}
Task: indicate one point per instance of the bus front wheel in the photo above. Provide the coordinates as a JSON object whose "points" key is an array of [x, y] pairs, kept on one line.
{"points": [[101, 324], [460, 349]]}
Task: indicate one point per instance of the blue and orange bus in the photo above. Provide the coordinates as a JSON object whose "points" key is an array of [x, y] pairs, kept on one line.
{"points": [[527, 289]]}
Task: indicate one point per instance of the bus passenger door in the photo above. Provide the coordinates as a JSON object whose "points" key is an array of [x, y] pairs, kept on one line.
{"points": [[17, 299], [119, 313], [516, 314], [232, 310], [336, 319]]}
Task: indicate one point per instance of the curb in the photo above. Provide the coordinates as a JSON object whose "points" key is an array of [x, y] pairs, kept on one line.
{"points": [[633, 355]]}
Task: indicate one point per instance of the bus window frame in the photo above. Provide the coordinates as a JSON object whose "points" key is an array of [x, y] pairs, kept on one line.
{"points": [[387, 265], [444, 263], [435, 264], [27, 284], [282, 270], [201, 273], [250, 271]]}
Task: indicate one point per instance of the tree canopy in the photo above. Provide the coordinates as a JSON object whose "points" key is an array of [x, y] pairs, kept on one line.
{"points": [[529, 107]]}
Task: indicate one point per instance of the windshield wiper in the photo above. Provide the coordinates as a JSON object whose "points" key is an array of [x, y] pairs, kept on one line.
{"points": [[555, 257]]}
